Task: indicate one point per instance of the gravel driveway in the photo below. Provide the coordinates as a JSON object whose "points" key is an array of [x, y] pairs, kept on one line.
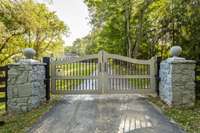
{"points": [[104, 114]]}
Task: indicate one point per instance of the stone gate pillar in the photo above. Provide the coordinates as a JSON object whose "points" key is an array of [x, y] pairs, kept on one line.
{"points": [[177, 80], [26, 87]]}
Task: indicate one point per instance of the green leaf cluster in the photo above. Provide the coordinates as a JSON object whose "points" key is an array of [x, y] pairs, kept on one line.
{"points": [[144, 28], [26, 23]]}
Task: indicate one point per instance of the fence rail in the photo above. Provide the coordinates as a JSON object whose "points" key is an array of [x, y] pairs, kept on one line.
{"points": [[103, 73], [3, 84]]}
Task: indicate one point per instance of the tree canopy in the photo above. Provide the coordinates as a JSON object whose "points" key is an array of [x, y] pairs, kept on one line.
{"points": [[26, 23], [134, 28], [144, 28]]}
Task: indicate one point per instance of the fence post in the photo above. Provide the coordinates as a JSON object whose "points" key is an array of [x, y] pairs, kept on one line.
{"points": [[6, 88], [197, 80], [153, 72], [47, 76], [159, 59]]}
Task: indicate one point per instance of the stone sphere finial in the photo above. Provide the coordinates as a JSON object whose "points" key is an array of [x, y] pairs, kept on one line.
{"points": [[175, 51], [29, 53]]}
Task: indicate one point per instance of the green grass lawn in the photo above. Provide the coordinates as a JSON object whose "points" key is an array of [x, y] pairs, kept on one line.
{"points": [[76, 69], [20, 123], [2, 105], [186, 117], [135, 83], [70, 84]]}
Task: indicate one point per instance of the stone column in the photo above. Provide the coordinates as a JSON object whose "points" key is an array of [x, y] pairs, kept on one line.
{"points": [[26, 87], [177, 81]]}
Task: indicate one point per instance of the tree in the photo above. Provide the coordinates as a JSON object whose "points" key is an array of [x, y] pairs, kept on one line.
{"points": [[144, 28], [28, 24]]}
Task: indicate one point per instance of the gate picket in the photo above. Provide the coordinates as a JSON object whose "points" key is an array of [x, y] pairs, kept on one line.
{"points": [[103, 73]]}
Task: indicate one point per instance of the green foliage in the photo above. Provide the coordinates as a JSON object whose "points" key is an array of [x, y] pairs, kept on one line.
{"points": [[80, 46], [144, 28], [2, 105], [28, 24]]}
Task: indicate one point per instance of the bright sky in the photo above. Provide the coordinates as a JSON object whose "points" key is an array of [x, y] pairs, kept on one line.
{"points": [[75, 14]]}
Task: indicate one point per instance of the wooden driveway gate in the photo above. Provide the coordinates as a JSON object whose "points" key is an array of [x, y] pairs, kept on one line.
{"points": [[103, 73]]}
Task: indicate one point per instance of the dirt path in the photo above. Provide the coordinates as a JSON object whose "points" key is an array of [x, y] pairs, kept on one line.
{"points": [[104, 114]]}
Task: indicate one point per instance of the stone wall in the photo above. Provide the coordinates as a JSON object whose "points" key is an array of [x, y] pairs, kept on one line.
{"points": [[177, 81], [26, 88]]}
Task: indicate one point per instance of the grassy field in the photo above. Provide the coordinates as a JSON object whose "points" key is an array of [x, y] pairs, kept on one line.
{"points": [[2, 105], [2, 94], [186, 117], [20, 123], [75, 70], [134, 83]]}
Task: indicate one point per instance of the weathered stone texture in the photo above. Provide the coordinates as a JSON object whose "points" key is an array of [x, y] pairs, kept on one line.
{"points": [[177, 86], [26, 88]]}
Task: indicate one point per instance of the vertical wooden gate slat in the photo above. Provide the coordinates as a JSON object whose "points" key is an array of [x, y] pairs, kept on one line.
{"points": [[108, 73]]}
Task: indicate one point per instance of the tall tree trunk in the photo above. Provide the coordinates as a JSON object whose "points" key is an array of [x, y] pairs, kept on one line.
{"points": [[140, 34], [127, 27]]}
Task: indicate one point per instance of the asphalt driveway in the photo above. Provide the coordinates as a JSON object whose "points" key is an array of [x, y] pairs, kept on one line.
{"points": [[104, 114]]}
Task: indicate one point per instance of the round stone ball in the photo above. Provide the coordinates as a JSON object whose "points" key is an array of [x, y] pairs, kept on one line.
{"points": [[175, 51], [29, 53]]}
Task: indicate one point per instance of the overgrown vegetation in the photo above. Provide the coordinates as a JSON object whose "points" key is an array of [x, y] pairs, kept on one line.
{"points": [[186, 117], [22, 122]]}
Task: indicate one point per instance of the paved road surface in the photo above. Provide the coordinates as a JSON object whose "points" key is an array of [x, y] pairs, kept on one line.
{"points": [[104, 114]]}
